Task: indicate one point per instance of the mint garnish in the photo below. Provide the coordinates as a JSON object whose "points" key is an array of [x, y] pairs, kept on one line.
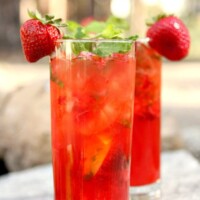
{"points": [[111, 32], [95, 27], [106, 49], [78, 47], [113, 28]]}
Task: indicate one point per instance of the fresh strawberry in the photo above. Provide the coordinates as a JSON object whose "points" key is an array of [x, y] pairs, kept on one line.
{"points": [[38, 36], [170, 37]]}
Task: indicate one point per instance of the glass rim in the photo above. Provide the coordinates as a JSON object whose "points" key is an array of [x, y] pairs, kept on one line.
{"points": [[97, 40], [143, 40]]}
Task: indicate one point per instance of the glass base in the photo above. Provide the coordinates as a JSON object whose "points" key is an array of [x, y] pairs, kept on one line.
{"points": [[147, 192]]}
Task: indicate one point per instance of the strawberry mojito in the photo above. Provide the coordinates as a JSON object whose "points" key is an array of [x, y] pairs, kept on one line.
{"points": [[145, 164], [167, 37], [92, 98], [92, 112]]}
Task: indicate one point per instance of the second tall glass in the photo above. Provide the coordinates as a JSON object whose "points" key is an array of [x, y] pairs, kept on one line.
{"points": [[92, 98], [145, 164]]}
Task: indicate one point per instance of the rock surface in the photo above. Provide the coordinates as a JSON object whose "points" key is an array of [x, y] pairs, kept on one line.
{"points": [[25, 127], [181, 176], [180, 180]]}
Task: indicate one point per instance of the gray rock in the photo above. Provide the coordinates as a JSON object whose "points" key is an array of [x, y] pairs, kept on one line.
{"points": [[3, 100], [25, 127], [35, 183], [171, 137], [180, 176], [191, 138]]}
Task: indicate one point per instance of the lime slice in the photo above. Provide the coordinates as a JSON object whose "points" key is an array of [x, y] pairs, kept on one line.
{"points": [[95, 151]]}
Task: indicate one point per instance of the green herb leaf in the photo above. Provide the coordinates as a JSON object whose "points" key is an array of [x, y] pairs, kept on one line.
{"points": [[111, 32], [95, 27], [80, 33], [118, 22], [72, 29], [72, 26], [78, 47], [106, 49]]}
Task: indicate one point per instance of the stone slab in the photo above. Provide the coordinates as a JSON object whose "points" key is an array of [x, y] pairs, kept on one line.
{"points": [[180, 180], [180, 176]]}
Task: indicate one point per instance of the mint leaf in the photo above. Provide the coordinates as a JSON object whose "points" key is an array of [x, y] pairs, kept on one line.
{"points": [[113, 28], [118, 22], [111, 32], [72, 26], [75, 31], [95, 27], [80, 33], [108, 48], [78, 47]]}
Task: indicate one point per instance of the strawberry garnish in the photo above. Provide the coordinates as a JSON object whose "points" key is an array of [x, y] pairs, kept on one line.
{"points": [[170, 37], [38, 36]]}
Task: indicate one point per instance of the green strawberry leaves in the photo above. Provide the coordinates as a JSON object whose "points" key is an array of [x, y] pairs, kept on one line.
{"points": [[156, 18], [47, 19]]}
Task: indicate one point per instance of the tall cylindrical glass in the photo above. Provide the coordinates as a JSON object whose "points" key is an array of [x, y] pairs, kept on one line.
{"points": [[145, 164], [92, 98]]}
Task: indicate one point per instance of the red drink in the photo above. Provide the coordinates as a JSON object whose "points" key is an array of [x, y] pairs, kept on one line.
{"points": [[145, 164], [92, 105]]}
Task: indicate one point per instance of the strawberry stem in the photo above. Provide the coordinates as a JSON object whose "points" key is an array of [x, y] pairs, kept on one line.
{"points": [[47, 19]]}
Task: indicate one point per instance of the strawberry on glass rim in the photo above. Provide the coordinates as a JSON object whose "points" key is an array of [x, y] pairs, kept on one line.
{"points": [[38, 36], [169, 36], [92, 96]]}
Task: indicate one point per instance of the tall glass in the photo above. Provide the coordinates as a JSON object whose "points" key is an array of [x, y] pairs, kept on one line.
{"points": [[92, 101], [145, 164]]}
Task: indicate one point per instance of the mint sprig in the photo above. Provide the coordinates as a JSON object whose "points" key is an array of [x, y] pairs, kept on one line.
{"points": [[105, 49], [111, 32], [113, 28]]}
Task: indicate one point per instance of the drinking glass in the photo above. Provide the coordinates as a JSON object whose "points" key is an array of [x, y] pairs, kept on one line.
{"points": [[92, 98], [145, 163]]}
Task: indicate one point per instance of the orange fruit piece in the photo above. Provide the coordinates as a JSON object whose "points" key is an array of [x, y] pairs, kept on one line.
{"points": [[96, 149]]}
